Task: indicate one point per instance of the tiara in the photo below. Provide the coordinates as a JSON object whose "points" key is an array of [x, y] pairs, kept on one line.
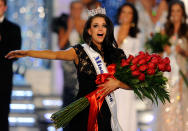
{"points": [[99, 10]]}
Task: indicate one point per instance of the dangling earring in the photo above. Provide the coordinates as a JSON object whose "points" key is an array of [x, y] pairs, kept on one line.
{"points": [[132, 24]]}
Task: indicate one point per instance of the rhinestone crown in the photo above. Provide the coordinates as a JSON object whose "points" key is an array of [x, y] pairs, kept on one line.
{"points": [[99, 10]]}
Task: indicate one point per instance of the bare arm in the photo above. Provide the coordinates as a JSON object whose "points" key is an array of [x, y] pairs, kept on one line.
{"points": [[163, 6], [68, 54]]}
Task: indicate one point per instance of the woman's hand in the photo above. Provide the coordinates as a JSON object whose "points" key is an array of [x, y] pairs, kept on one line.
{"points": [[111, 85], [16, 54]]}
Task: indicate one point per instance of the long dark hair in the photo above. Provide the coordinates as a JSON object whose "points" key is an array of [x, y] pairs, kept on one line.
{"points": [[134, 29], [109, 46], [169, 27]]}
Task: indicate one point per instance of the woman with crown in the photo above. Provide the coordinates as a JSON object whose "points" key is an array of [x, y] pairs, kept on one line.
{"points": [[90, 60]]}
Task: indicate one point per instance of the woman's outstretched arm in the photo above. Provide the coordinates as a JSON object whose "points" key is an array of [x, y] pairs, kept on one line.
{"points": [[68, 54]]}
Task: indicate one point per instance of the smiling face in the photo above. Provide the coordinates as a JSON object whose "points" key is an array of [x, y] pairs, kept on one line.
{"points": [[98, 30], [176, 13], [126, 15]]}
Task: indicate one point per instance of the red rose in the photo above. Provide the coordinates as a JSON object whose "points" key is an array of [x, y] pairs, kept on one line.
{"points": [[159, 59], [133, 67], [147, 54], [136, 73], [128, 60], [142, 61], [135, 60], [124, 63], [148, 58], [141, 53], [151, 71], [154, 60], [130, 57], [151, 65], [155, 55], [166, 60], [143, 67], [141, 56], [161, 66], [112, 69], [168, 68], [141, 77]]}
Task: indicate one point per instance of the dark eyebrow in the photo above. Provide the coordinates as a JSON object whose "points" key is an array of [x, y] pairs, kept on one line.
{"points": [[102, 23], [95, 23]]}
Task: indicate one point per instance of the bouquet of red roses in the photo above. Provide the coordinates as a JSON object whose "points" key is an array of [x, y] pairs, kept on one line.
{"points": [[143, 73]]}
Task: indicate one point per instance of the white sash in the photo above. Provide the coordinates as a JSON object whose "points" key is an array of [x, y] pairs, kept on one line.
{"points": [[100, 68]]}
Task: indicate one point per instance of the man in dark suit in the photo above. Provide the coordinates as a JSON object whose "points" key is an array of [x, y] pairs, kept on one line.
{"points": [[10, 39]]}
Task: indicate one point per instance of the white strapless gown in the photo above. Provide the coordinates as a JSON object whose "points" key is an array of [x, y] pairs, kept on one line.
{"points": [[126, 102]]}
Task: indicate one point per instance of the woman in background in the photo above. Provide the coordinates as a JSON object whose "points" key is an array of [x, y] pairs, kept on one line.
{"points": [[152, 15], [174, 116], [68, 37], [129, 39], [126, 32], [75, 26]]}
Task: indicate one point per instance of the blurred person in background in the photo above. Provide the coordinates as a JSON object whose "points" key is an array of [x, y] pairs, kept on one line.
{"points": [[75, 25], [129, 40], [131, 1], [69, 29], [127, 33], [174, 116], [152, 15], [70, 35], [91, 4], [10, 39]]}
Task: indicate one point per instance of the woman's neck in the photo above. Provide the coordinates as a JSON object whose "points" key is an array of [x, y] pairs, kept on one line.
{"points": [[98, 45], [176, 27]]}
